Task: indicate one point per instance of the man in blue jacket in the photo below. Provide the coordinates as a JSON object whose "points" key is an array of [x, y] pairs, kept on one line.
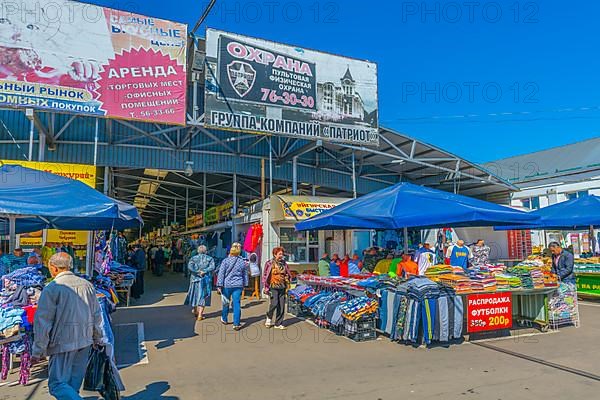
{"points": [[562, 263]]}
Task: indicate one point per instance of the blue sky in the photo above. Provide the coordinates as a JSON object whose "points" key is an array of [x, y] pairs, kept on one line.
{"points": [[485, 81]]}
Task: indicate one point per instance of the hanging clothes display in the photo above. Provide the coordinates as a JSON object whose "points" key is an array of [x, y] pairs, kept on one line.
{"points": [[420, 309], [253, 238]]}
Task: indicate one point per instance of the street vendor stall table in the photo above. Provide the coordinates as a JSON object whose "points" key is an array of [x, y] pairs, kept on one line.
{"points": [[527, 307], [587, 273]]}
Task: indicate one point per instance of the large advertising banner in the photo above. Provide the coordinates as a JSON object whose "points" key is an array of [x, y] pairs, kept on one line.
{"points": [[72, 57], [263, 87], [79, 172]]}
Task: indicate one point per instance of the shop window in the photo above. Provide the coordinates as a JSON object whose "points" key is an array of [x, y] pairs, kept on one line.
{"points": [[575, 195], [532, 203], [300, 246]]}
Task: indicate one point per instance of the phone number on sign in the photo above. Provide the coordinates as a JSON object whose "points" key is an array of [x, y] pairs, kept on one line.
{"points": [[287, 98], [154, 113]]}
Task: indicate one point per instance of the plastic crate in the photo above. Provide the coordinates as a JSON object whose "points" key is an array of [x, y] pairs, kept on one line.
{"points": [[295, 308], [361, 330]]}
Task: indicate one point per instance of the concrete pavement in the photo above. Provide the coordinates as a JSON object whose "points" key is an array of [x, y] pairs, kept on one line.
{"points": [[185, 359]]}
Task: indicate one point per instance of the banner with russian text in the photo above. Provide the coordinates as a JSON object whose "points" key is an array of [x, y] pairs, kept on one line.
{"points": [[79, 172], [263, 87], [72, 57]]}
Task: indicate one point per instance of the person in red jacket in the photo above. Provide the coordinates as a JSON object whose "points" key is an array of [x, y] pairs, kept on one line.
{"points": [[344, 266]]}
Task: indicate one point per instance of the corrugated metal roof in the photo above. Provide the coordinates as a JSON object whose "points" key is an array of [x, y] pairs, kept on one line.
{"points": [[575, 161]]}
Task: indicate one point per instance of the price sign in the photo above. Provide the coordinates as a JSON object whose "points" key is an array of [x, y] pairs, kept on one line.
{"points": [[489, 312]]}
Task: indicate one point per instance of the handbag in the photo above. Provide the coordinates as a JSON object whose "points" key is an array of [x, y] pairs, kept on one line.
{"points": [[254, 268]]}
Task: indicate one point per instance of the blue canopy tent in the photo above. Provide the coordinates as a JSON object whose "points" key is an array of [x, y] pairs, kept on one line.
{"points": [[31, 200], [577, 214], [405, 205]]}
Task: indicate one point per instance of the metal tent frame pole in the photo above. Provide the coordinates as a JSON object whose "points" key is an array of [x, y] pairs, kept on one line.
{"points": [[12, 232]]}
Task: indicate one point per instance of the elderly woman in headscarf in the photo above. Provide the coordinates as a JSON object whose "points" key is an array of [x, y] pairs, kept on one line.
{"points": [[201, 267]]}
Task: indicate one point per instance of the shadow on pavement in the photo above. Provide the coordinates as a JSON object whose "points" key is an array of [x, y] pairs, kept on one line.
{"points": [[163, 324], [153, 391]]}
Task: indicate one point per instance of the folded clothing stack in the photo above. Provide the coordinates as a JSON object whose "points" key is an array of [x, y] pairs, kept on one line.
{"points": [[460, 283], [435, 271], [505, 282], [11, 319], [550, 279], [531, 277], [483, 284], [301, 291], [358, 308]]}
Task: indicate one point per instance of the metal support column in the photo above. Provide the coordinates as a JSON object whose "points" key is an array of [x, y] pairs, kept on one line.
{"points": [[106, 181], [89, 253], [263, 186], [31, 129], [406, 240], [12, 235], [187, 206], [96, 144], [235, 200], [41, 146], [270, 167], [353, 175], [175, 210], [295, 176], [203, 198]]}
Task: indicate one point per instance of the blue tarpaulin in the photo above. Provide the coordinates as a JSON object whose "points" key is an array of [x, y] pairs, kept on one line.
{"points": [[576, 214], [42, 200], [405, 205]]}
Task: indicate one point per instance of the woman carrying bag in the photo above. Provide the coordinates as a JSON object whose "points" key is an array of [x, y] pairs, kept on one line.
{"points": [[201, 267], [275, 281], [232, 278]]}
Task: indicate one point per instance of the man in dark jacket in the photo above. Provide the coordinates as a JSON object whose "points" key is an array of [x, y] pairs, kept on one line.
{"points": [[562, 263], [159, 261], [139, 262]]}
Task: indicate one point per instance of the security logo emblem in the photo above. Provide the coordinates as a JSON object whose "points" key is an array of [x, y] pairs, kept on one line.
{"points": [[241, 76]]}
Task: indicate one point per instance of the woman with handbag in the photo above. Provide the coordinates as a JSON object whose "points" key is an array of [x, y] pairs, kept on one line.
{"points": [[275, 281], [231, 280], [201, 267]]}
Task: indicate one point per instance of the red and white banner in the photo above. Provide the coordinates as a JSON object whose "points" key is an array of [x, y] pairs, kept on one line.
{"points": [[489, 312], [72, 57]]}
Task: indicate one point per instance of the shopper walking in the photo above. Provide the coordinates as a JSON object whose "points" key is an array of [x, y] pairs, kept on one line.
{"points": [[139, 263], [232, 278], [275, 280], [67, 322], [201, 267], [159, 261]]}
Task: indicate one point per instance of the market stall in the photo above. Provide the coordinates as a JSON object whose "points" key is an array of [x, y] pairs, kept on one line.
{"points": [[587, 273], [31, 200], [446, 303], [403, 206], [280, 213]]}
